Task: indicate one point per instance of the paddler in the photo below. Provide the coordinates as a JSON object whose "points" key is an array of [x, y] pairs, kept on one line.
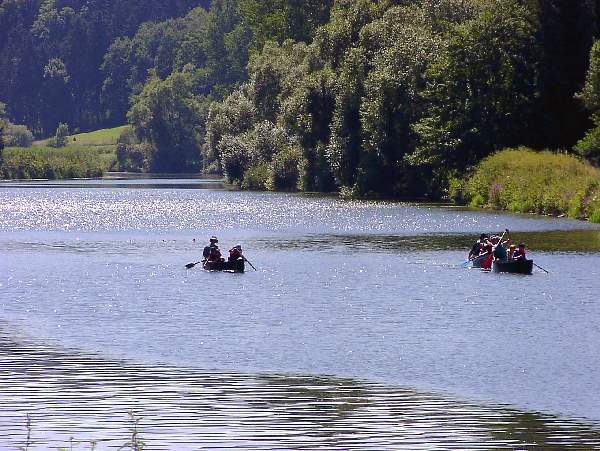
{"points": [[477, 246], [211, 252], [235, 253]]}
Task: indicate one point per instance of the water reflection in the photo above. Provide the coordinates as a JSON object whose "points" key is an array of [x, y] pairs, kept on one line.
{"points": [[547, 241], [146, 182], [70, 394]]}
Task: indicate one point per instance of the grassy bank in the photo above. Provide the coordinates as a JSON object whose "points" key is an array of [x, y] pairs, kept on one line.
{"points": [[51, 163], [86, 155], [105, 138], [524, 181]]}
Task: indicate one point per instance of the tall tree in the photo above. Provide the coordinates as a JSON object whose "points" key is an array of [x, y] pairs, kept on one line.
{"points": [[170, 116]]}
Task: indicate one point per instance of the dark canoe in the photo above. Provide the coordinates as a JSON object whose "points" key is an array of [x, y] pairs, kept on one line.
{"points": [[514, 267], [234, 266]]}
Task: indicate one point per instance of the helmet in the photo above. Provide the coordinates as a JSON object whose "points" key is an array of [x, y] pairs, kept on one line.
{"points": [[238, 247], [213, 239]]}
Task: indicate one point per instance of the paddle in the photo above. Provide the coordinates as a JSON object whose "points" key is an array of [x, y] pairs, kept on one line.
{"points": [[538, 266], [191, 265], [469, 261], [248, 261]]}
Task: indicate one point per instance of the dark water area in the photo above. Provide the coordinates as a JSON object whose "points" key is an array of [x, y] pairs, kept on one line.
{"points": [[70, 394], [360, 329]]}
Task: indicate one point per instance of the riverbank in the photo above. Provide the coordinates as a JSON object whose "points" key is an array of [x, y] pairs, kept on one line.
{"points": [[86, 155], [51, 163], [524, 181]]}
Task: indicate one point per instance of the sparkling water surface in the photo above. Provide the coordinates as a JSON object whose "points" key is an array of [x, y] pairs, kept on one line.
{"points": [[360, 329]]}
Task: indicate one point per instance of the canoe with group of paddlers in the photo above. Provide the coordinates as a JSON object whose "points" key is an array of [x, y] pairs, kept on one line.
{"points": [[212, 259], [493, 253]]}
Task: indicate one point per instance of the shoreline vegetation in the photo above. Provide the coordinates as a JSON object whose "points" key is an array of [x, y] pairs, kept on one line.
{"points": [[524, 181], [371, 99], [85, 155], [518, 180]]}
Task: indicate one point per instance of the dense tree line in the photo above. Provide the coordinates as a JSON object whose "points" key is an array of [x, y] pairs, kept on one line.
{"points": [[51, 52], [369, 97], [393, 98]]}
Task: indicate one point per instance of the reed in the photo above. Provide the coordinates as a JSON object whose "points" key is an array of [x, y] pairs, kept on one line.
{"points": [[51, 163]]}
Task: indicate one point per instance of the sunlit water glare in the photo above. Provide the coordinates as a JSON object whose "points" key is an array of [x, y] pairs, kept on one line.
{"points": [[370, 294]]}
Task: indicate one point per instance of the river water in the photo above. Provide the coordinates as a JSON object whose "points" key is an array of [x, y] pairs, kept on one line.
{"points": [[359, 329]]}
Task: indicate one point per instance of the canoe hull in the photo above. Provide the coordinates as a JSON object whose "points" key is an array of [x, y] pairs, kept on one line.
{"points": [[513, 267], [237, 266]]}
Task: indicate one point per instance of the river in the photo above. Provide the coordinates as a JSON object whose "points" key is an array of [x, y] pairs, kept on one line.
{"points": [[359, 330]]}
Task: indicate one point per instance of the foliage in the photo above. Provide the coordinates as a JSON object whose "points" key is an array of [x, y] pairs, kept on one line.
{"points": [[3, 125], [388, 99], [62, 133], [278, 20], [521, 180], [285, 170], [256, 177], [169, 117], [131, 154], [50, 52], [52, 163], [479, 91], [589, 145], [17, 136], [381, 98]]}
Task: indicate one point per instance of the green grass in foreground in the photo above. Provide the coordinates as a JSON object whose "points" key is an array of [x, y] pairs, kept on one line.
{"points": [[51, 163], [525, 181]]}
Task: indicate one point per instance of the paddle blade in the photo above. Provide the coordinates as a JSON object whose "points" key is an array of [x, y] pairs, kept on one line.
{"points": [[190, 265]]}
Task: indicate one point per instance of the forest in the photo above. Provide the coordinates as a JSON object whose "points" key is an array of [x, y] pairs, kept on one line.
{"points": [[369, 98]]}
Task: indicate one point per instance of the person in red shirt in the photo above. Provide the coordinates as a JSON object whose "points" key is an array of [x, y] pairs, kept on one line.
{"points": [[235, 253], [211, 252], [488, 250]]}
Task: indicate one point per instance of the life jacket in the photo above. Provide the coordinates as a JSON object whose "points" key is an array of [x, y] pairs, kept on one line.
{"points": [[234, 254], [215, 254], [487, 263]]}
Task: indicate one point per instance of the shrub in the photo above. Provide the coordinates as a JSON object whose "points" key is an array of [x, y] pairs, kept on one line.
{"points": [[589, 145], [235, 156], [521, 180], [43, 162], [62, 132], [256, 177], [134, 157], [17, 136], [284, 170]]}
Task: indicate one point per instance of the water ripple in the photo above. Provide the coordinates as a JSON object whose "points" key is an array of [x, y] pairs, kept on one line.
{"points": [[73, 395]]}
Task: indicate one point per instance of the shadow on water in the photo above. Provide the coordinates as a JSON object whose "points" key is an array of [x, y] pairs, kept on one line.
{"points": [[581, 241], [129, 181], [69, 394]]}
